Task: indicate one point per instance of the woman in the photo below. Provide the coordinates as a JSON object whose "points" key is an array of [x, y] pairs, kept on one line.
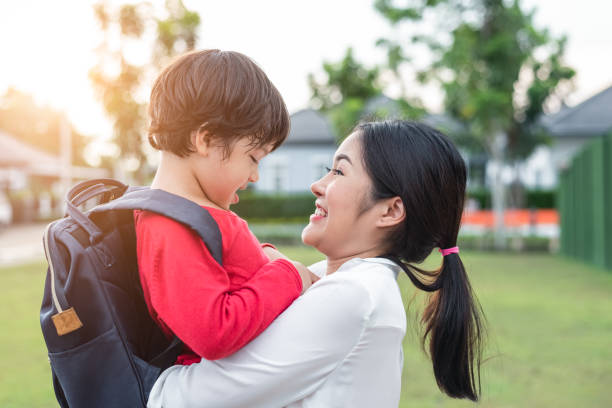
{"points": [[396, 192]]}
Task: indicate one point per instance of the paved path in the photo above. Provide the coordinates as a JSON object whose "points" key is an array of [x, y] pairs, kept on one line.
{"points": [[21, 243]]}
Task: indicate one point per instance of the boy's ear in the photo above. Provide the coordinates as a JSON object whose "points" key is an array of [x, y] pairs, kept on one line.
{"points": [[201, 141], [392, 212]]}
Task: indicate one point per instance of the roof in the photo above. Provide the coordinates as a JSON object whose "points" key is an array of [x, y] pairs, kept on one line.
{"points": [[15, 153], [382, 105], [309, 126], [444, 123], [592, 117]]}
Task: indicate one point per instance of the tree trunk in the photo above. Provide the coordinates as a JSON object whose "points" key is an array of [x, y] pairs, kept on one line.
{"points": [[498, 190]]}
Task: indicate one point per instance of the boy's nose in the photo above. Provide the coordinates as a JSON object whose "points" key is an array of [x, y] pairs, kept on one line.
{"points": [[254, 176]]}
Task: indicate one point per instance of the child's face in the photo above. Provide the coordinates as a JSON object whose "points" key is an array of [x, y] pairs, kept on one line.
{"points": [[221, 177]]}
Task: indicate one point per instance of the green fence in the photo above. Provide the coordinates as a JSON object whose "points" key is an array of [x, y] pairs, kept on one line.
{"points": [[585, 204]]}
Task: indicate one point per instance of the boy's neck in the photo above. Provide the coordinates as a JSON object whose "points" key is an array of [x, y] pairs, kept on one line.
{"points": [[176, 176]]}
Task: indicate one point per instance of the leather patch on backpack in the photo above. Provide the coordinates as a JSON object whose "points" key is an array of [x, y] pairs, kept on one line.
{"points": [[66, 322]]}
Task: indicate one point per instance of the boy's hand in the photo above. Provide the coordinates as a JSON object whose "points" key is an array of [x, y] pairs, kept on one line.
{"points": [[273, 253], [308, 278]]}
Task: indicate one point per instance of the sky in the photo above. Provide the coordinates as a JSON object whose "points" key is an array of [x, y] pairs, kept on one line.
{"points": [[48, 47]]}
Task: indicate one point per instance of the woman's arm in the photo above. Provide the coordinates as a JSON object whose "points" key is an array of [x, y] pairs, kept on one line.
{"points": [[287, 362]]}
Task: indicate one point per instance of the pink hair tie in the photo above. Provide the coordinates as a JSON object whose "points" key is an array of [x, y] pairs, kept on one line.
{"points": [[447, 251]]}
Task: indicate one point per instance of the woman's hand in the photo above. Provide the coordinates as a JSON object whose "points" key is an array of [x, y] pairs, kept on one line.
{"points": [[308, 278], [273, 253]]}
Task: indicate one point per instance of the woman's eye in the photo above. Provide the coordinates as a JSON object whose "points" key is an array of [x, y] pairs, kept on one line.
{"points": [[335, 172]]}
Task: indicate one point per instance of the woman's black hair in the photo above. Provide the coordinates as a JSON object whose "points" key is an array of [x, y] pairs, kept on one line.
{"points": [[422, 166]]}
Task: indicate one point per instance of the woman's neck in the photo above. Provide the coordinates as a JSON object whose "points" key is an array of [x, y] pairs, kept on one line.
{"points": [[334, 263]]}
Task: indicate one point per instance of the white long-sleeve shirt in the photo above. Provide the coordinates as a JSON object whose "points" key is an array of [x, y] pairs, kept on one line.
{"points": [[338, 345]]}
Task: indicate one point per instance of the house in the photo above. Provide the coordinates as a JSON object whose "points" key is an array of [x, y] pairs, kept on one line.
{"points": [[302, 158], [33, 178], [570, 128], [382, 106], [575, 126], [311, 143]]}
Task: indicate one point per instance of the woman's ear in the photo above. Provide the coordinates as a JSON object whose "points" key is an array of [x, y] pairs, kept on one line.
{"points": [[200, 140], [393, 212]]}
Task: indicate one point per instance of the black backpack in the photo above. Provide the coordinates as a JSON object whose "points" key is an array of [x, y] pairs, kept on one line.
{"points": [[104, 348]]}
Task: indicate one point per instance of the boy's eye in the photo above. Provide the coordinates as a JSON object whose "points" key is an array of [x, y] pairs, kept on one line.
{"points": [[254, 159], [335, 172]]}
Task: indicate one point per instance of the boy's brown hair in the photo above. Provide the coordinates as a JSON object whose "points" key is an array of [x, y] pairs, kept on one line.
{"points": [[222, 92]]}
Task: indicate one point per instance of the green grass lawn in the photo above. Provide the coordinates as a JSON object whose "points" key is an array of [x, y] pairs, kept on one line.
{"points": [[549, 341]]}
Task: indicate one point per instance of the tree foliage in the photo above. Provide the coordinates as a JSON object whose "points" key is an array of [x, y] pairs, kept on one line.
{"points": [[118, 82], [176, 33], [497, 71], [36, 125], [343, 94]]}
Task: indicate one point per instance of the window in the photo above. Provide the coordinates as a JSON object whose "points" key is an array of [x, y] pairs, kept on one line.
{"points": [[320, 162]]}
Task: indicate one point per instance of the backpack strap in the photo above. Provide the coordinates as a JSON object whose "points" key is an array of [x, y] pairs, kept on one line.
{"points": [[77, 194], [174, 207]]}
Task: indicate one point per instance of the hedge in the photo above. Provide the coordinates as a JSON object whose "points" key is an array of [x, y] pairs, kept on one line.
{"points": [[281, 207], [534, 198], [298, 207]]}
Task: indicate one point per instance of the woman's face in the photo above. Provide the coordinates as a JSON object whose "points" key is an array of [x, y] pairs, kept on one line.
{"points": [[343, 224]]}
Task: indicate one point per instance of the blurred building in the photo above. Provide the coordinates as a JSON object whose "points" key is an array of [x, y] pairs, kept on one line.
{"points": [[570, 128], [575, 126], [384, 107], [311, 144], [33, 181], [302, 159]]}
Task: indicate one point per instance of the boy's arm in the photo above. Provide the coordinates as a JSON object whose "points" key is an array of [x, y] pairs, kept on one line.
{"points": [[286, 363], [191, 293]]}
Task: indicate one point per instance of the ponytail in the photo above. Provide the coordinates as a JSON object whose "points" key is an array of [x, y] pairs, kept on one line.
{"points": [[452, 324], [422, 166]]}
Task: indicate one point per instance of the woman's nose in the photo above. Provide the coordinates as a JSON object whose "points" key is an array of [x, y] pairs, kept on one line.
{"points": [[318, 187]]}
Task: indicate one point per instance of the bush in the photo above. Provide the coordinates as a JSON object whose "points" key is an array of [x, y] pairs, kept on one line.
{"points": [[542, 198], [278, 234], [485, 242], [482, 196], [280, 207], [534, 198]]}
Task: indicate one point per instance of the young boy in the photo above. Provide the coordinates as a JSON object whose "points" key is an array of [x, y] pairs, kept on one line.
{"points": [[214, 115]]}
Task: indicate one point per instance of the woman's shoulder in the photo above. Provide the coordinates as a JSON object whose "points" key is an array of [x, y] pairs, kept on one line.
{"points": [[378, 278]]}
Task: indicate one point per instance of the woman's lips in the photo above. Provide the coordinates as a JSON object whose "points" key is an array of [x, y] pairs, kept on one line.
{"points": [[319, 214], [314, 218]]}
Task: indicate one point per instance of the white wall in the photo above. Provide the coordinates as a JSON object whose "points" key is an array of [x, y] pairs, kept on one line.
{"points": [[292, 169]]}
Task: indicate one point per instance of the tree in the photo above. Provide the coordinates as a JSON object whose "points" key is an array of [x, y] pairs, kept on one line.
{"points": [[344, 92], [348, 86], [119, 83], [176, 33], [36, 125], [497, 72]]}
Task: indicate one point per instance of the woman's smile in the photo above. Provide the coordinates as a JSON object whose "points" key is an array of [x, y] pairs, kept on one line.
{"points": [[319, 213]]}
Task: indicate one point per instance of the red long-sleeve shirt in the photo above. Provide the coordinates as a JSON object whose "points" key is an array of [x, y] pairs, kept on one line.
{"points": [[215, 310]]}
